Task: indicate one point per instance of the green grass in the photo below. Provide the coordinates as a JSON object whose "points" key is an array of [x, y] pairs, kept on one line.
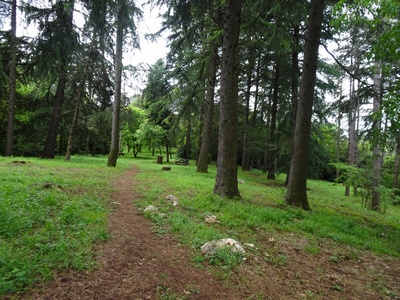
{"points": [[262, 211], [51, 214]]}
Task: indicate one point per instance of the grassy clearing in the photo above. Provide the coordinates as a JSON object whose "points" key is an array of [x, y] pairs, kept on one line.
{"points": [[262, 212], [51, 214]]}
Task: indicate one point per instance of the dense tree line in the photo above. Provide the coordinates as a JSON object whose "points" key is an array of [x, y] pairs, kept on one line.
{"points": [[244, 84]]}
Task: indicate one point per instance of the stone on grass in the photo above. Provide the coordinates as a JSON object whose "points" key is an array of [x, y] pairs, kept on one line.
{"points": [[151, 208], [173, 199], [233, 245], [211, 219]]}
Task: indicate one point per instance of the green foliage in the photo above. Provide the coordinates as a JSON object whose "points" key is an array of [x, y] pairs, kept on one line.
{"points": [[357, 178], [51, 214], [156, 95], [224, 256], [151, 135], [132, 118]]}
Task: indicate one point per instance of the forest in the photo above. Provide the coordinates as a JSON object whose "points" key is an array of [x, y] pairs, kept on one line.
{"points": [[304, 88]]}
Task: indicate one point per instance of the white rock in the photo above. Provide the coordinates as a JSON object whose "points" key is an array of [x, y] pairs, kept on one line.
{"points": [[211, 219], [210, 247], [236, 247], [151, 208], [173, 199]]}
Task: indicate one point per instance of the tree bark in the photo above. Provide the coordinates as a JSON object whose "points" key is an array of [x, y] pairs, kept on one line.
{"points": [[296, 194], [51, 140], [294, 89], [78, 100], [396, 163], [9, 151], [266, 144], [114, 151], [188, 138], [81, 91], [206, 132], [272, 127], [226, 184], [167, 149], [377, 155], [249, 80], [68, 152], [353, 111], [338, 136]]}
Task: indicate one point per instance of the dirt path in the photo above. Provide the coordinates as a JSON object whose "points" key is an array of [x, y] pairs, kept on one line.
{"points": [[135, 263]]}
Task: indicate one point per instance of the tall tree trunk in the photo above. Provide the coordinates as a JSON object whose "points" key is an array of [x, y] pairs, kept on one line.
{"points": [[253, 119], [68, 152], [353, 143], [338, 136], [167, 149], [188, 139], [396, 163], [12, 81], [272, 127], [78, 100], [226, 183], [206, 131], [51, 140], [296, 194], [294, 89], [245, 155], [268, 122], [114, 151], [249, 81], [377, 155]]}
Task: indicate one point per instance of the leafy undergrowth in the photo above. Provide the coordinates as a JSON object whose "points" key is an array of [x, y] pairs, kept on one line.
{"points": [[51, 214]]}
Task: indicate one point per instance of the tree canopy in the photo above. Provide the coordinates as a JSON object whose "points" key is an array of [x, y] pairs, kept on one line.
{"points": [[231, 95]]}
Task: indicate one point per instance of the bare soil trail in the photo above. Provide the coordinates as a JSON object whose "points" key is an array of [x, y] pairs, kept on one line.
{"points": [[136, 264]]}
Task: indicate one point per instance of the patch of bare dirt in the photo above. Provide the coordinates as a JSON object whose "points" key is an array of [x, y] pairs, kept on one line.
{"points": [[136, 264]]}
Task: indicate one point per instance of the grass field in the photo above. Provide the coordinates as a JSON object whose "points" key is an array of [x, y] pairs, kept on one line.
{"points": [[52, 213], [333, 216]]}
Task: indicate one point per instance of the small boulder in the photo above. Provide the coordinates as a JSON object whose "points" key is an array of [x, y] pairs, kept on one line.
{"points": [[151, 208], [234, 246], [211, 219], [208, 247], [173, 199]]}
